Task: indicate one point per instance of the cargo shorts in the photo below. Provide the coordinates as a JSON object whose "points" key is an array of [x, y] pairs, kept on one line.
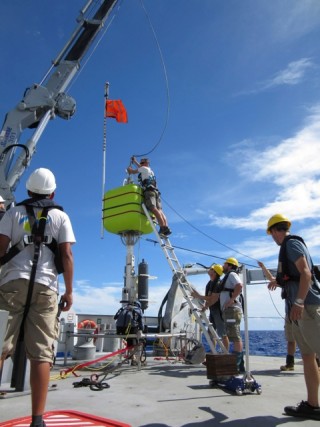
{"points": [[307, 330], [232, 319], [288, 332], [41, 327], [152, 199]]}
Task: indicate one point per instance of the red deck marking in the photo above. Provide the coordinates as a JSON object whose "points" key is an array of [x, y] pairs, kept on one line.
{"points": [[67, 419]]}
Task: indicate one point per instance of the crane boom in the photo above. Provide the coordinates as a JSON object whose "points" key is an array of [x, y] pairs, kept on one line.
{"points": [[43, 102]]}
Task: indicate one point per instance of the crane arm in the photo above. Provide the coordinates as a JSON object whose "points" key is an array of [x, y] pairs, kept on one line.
{"points": [[43, 102]]}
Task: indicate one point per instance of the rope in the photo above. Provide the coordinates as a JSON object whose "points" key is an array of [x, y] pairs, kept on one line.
{"points": [[65, 372]]}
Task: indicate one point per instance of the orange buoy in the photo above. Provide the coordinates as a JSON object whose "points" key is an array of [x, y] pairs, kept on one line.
{"points": [[87, 324]]}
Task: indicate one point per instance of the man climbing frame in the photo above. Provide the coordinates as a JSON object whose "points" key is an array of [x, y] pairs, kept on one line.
{"points": [[151, 194]]}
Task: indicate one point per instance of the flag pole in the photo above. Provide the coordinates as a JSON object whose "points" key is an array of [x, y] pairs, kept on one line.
{"points": [[104, 150]]}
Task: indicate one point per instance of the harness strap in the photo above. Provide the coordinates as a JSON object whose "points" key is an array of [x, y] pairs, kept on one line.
{"points": [[53, 245], [38, 231], [230, 290], [284, 276]]}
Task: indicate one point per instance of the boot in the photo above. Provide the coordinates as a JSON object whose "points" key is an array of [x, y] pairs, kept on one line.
{"points": [[240, 361], [289, 366]]}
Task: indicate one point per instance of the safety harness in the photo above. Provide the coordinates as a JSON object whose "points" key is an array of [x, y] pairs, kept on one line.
{"points": [[149, 183], [37, 233], [37, 237], [283, 275], [224, 288]]}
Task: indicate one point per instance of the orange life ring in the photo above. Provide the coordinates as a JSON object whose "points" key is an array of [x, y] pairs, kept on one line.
{"points": [[87, 324]]}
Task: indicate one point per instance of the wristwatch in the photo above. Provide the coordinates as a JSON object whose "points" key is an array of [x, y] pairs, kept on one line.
{"points": [[299, 301]]}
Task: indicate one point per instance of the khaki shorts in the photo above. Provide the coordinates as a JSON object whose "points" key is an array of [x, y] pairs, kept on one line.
{"points": [[152, 199], [232, 319], [41, 325], [307, 330], [288, 332]]}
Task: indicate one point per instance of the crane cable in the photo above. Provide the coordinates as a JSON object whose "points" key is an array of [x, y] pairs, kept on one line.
{"points": [[166, 121], [166, 82]]}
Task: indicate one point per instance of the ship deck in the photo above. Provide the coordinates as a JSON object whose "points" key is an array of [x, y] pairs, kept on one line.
{"points": [[170, 393]]}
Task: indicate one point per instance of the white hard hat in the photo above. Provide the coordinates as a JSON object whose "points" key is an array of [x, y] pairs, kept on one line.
{"points": [[41, 181], [2, 199]]}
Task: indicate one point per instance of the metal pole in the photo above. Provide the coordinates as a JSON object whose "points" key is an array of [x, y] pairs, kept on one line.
{"points": [[104, 150], [245, 318]]}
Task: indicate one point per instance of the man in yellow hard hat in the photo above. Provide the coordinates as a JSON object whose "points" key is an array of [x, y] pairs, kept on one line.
{"points": [[291, 342], [231, 307], [211, 299], [302, 293]]}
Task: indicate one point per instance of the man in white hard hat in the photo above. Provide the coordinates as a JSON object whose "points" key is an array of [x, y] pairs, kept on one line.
{"points": [[38, 322], [2, 207]]}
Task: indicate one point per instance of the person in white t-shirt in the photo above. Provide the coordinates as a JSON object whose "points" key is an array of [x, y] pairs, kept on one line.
{"points": [[40, 325], [231, 307], [151, 193]]}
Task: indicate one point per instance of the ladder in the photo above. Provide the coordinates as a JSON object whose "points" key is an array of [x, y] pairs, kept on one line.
{"points": [[186, 288]]}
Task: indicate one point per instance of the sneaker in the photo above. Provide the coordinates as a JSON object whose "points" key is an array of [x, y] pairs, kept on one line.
{"points": [[287, 368], [134, 363], [38, 425], [162, 230], [165, 231], [303, 410]]}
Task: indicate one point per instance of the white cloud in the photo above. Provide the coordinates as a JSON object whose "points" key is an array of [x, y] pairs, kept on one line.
{"points": [[91, 299], [291, 75], [292, 167]]}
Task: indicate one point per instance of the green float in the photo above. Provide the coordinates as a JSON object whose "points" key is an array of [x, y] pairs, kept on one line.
{"points": [[122, 211]]}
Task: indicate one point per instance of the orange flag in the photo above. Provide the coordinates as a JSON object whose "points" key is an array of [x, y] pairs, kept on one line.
{"points": [[116, 110]]}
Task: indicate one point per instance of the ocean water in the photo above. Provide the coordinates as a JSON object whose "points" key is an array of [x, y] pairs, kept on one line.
{"points": [[268, 343], [265, 343]]}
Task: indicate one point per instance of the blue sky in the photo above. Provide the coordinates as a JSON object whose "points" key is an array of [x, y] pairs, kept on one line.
{"points": [[241, 144]]}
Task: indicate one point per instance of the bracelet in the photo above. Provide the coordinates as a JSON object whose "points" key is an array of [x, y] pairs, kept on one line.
{"points": [[299, 301], [299, 305]]}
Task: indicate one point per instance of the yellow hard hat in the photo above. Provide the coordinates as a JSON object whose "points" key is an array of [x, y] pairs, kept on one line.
{"points": [[217, 268], [275, 219], [232, 261]]}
